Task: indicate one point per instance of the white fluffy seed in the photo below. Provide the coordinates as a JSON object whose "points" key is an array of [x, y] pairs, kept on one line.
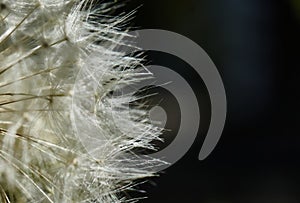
{"points": [[44, 46]]}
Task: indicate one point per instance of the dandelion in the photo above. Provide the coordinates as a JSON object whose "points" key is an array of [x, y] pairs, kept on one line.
{"points": [[60, 134]]}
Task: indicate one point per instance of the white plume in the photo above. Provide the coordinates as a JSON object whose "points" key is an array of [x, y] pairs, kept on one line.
{"points": [[60, 134]]}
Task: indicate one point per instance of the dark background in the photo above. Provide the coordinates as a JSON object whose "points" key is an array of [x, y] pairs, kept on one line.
{"points": [[255, 46]]}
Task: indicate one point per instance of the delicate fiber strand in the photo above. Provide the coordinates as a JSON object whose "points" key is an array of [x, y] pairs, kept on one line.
{"points": [[63, 136]]}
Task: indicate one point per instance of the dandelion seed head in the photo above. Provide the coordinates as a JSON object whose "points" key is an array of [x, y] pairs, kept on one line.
{"points": [[58, 66]]}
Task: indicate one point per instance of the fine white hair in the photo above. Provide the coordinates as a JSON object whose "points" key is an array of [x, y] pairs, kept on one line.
{"points": [[58, 67]]}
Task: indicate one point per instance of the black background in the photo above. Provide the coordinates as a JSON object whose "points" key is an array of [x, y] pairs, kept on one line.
{"points": [[255, 46]]}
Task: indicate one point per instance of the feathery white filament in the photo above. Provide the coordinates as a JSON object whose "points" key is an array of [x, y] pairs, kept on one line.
{"points": [[57, 70]]}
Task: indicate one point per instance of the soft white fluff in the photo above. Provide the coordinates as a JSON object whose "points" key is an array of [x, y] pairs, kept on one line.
{"points": [[63, 136]]}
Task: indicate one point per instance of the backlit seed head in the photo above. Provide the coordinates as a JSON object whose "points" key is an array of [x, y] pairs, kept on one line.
{"points": [[48, 48]]}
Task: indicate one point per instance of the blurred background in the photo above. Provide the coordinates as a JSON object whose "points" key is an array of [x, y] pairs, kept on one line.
{"points": [[255, 46]]}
